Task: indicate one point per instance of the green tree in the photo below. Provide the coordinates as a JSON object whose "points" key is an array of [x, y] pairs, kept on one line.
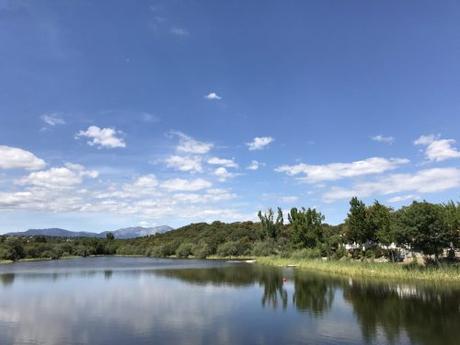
{"points": [[423, 227], [271, 228], [109, 236], [379, 224], [358, 229], [452, 219], [13, 249], [184, 250], [306, 227]]}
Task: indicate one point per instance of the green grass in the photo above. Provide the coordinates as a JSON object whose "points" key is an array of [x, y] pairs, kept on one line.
{"points": [[445, 273]]}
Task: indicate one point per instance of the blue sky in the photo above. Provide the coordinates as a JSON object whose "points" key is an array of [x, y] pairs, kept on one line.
{"points": [[121, 113]]}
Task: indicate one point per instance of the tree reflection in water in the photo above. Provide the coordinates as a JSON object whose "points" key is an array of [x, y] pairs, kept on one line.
{"points": [[7, 279], [400, 313], [426, 315], [312, 294]]}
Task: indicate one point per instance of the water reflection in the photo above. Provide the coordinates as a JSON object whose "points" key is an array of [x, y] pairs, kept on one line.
{"points": [[426, 315], [312, 294], [7, 279], [219, 304]]}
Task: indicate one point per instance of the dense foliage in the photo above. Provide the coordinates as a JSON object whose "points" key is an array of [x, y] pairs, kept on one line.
{"points": [[369, 231]]}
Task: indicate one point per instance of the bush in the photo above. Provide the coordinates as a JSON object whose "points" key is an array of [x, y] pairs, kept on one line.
{"points": [[184, 250], [157, 252], [306, 253], [201, 250], [13, 250], [263, 248], [340, 253], [232, 248]]}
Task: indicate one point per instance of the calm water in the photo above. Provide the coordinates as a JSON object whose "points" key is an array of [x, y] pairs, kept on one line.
{"points": [[149, 301]]}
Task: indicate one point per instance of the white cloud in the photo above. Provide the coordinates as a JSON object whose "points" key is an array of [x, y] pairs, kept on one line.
{"points": [[423, 181], [189, 145], [255, 165], [181, 163], [213, 96], [425, 139], [102, 137], [383, 139], [13, 158], [179, 31], [211, 195], [67, 176], [228, 163], [223, 174], [400, 198], [52, 119], [437, 149], [336, 171], [289, 199], [179, 184], [259, 143], [145, 197]]}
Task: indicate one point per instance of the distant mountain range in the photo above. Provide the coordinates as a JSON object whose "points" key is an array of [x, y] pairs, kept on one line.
{"points": [[123, 233]]}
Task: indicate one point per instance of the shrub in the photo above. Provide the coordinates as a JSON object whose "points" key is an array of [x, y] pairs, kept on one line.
{"points": [[232, 248], [158, 252], [263, 248], [184, 250], [306, 253], [340, 252], [201, 250]]}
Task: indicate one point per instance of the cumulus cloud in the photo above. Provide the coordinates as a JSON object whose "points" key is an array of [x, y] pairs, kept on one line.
{"points": [[102, 137], [67, 176], [189, 145], [223, 174], [211, 195], [228, 163], [438, 149], [213, 96], [259, 143], [179, 184], [289, 199], [383, 139], [64, 189], [179, 31], [400, 198], [255, 165], [14, 158], [52, 119], [188, 163], [335, 171], [423, 181]]}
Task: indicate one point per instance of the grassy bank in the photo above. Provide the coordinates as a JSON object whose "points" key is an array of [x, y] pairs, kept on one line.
{"points": [[357, 269]]}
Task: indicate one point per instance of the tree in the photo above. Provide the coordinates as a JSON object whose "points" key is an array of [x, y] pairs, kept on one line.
{"points": [[423, 227], [452, 219], [379, 218], [184, 250], [270, 228], [358, 229], [13, 249], [109, 236], [306, 227]]}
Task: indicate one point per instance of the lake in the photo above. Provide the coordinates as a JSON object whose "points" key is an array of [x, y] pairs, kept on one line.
{"points": [[119, 300]]}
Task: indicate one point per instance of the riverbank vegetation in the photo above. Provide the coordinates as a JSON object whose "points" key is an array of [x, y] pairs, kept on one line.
{"points": [[422, 233]]}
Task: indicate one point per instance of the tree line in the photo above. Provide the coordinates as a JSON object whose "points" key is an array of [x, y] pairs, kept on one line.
{"points": [[369, 231]]}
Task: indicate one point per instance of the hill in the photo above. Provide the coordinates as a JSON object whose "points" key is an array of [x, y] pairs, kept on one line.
{"points": [[124, 233]]}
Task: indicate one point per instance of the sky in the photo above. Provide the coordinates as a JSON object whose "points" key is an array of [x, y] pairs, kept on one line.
{"points": [[142, 113]]}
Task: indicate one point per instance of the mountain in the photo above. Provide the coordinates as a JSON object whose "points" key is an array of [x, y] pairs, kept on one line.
{"points": [[123, 233], [137, 231], [55, 232]]}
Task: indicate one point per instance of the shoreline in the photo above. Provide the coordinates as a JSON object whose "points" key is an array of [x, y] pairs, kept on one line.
{"points": [[350, 269], [368, 270]]}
